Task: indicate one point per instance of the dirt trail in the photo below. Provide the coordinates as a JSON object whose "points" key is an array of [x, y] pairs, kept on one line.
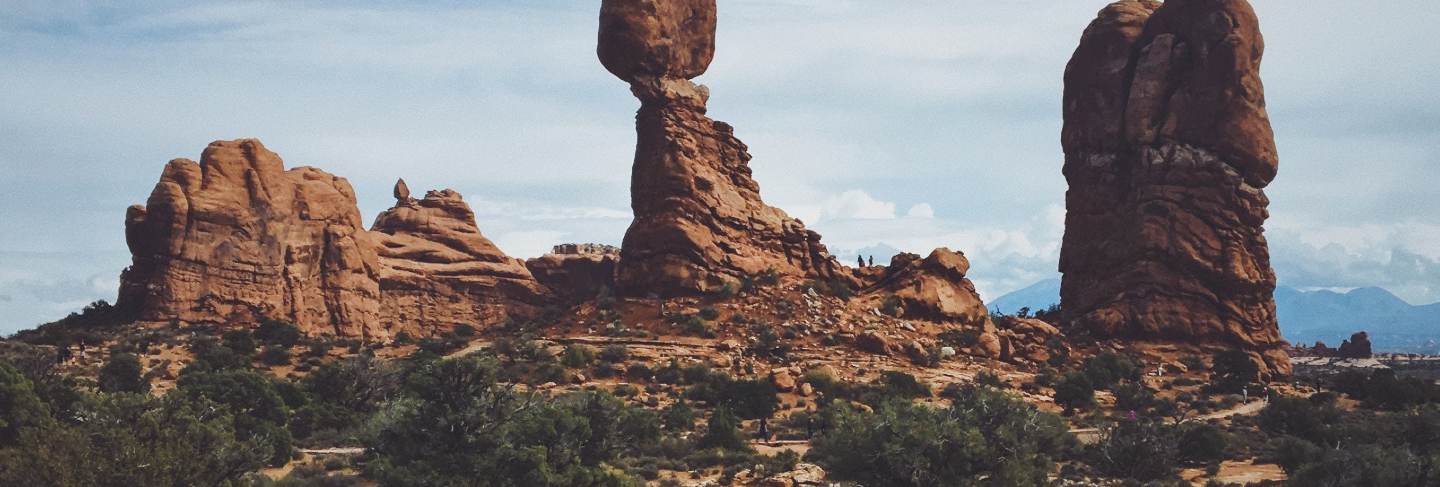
{"points": [[1091, 435]]}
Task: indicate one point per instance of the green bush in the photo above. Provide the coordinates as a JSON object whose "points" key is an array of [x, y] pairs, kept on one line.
{"points": [[276, 332], [1141, 450], [1074, 392], [133, 439], [275, 355], [678, 416], [458, 425], [1232, 371], [1109, 368], [983, 438], [723, 432], [577, 356], [614, 353], [123, 373], [1203, 443]]}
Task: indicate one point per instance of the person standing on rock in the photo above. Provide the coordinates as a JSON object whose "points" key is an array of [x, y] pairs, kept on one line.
{"points": [[764, 432], [861, 262]]}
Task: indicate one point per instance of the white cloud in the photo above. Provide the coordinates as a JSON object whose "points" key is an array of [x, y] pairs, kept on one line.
{"points": [[922, 210], [855, 204]]}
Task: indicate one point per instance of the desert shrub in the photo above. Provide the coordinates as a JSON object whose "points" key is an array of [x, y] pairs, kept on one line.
{"points": [[188, 441], [1233, 371], [1203, 443], [896, 384], [748, 398], [275, 355], [989, 379], [767, 344], [277, 332], [211, 356], [459, 424], [693, 325], [240, 341], [260, 411], [678, 416], [1133, 396], [1142, 450], [123, 373], [1193, 363], [577, 356], [723, 432], [639, 372], [1295, 417], [983, 438], [671, 373], [614, 353], [1074, 392], [1059, 352], [709, 313], [1109, 368]]}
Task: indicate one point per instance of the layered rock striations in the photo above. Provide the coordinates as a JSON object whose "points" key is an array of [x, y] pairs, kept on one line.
{"points": [[1167, 151], [236, 236], [699, 220], [437, 270]]}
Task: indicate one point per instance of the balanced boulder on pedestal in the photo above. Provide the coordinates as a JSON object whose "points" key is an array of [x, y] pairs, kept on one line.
{"points": [[699, 220]]}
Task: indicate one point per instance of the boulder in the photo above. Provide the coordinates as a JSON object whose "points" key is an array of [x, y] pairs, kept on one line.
{"points": [[438, 270], [783, 380], [1168, 149], [933, 288], [804, 475], [700, 223], [874, 342], [238, 237]]}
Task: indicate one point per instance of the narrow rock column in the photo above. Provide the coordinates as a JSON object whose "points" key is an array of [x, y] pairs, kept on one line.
{"points": [[699, 220], [1167, 151]]}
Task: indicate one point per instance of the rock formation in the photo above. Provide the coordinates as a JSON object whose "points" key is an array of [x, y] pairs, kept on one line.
{"points": [[699, 220], [933, 288], [438, 270], [577, 271], [1167, 150], [237, 236], [1358, 346]]}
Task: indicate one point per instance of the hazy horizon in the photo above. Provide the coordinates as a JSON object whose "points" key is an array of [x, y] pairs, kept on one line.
{"points": [[912, 126]]}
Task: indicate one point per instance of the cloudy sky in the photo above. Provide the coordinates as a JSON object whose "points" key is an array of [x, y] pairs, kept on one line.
{"points": [[914, 124]]}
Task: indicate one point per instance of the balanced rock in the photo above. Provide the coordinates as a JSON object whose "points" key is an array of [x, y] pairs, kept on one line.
{"points": [[699, 220], [933, 288], [1167, 150], [236, 236], [438, 270], [577, 271]]}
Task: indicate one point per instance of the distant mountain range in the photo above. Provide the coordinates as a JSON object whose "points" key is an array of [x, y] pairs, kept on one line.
{"points": [[1306, 316]]}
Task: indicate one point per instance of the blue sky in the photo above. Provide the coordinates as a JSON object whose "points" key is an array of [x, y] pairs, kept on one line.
{"points": [[915, 124]]}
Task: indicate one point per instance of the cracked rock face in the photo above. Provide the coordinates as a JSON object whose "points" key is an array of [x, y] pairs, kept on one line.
{"points": [[1167, 151], [437, 270], [699, 220], [236, 236]]}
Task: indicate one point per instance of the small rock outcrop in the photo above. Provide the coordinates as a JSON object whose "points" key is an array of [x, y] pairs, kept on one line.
{"points": [[438, 270], [699, 220], [1167, 151], [577, 271], [933, 288], [236, 236], [1358, 346]]}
